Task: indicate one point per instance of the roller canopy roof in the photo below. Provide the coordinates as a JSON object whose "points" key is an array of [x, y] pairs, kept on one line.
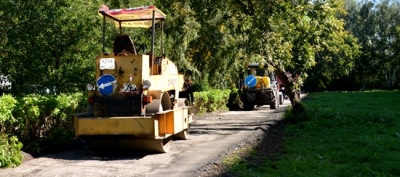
{"points": [[136, 17]]}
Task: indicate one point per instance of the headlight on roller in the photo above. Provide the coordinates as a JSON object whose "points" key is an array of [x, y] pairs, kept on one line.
{"points": [[146, 84], [89, 87]]}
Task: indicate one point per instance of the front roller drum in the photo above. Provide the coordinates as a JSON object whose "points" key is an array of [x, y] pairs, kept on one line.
{"points": [[183, 135], [156, 145], [183, 102]]}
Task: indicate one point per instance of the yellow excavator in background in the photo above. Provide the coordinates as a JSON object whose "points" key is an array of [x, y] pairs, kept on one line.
{"points": [[259, 87]]}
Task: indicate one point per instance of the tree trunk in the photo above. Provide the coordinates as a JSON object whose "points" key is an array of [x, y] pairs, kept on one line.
{"points": [[393, 79], [290, 92]]}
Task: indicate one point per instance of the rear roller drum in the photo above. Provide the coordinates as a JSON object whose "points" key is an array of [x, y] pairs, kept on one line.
{"points": [[160, 146], [157, 145]]}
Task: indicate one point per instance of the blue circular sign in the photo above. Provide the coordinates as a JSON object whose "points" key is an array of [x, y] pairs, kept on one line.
{"points": [[250, 81], [106, 84]]}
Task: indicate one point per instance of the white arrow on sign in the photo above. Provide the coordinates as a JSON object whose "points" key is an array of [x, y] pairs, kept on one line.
{"points": [[103, 85], [248, 83]]}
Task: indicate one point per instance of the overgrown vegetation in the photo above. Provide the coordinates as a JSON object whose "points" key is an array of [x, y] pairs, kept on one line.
{"points": [[234, 102], [343, 134], [10, 146], [10, 151], [334, 35], [41, 123], [211, 101]]}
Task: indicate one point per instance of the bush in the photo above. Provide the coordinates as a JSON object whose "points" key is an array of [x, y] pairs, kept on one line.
{"points": [[45, 122], [234, 101], [201, 86], [10, 151], [7, 105], [10, 147], [210, 101]]}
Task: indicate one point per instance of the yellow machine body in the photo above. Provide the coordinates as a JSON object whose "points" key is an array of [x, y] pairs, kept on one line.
{"points": [[157, 126], [135, 99], [163, 76], [164, 117]]}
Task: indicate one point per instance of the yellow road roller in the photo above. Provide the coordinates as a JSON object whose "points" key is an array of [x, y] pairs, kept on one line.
{"points": [[134, 102]]}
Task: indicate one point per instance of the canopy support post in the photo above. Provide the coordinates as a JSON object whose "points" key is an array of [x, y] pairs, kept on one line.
{"points": [[104, 33], [162, 38], [152, 42], [120, 28]]}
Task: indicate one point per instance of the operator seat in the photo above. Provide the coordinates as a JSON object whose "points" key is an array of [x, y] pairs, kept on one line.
{"points": [[124, 42]]}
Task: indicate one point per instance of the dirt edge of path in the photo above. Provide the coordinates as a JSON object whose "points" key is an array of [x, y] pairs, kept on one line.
{"points": [[266, 141]]}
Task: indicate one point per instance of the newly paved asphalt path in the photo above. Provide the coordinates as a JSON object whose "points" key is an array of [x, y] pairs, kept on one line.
{"points": [[211, 136]]}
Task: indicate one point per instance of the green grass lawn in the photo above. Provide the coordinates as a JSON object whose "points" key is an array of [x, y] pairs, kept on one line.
{"points": [[345, 134]]}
